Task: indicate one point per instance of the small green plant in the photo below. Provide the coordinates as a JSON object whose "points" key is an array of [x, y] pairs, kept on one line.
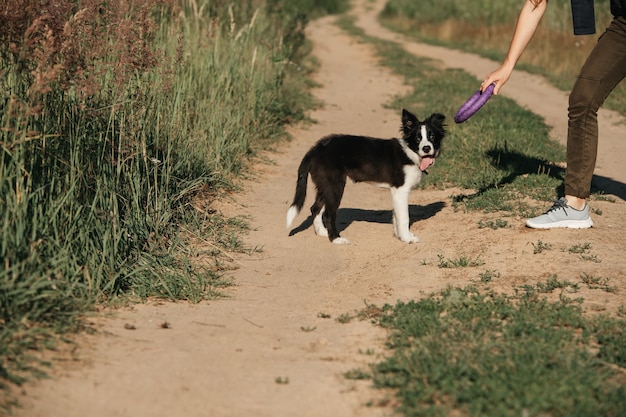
{"points": [[551, 284], [580, 248], [594, 283], [591, 258], [344, 318], [281, 380], [357, 374], [308, 329], [493, 224], [583, 250], [597, 211], [461, 262], [488, 275], [540, 247], [323, 315], [603, 197]]}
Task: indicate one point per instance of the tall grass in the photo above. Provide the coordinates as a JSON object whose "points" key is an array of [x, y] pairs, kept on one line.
{"points": [[114, 118], [486, 27]]}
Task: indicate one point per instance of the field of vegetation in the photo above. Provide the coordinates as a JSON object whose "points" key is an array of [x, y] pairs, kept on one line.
{"points": [[120, 121]]}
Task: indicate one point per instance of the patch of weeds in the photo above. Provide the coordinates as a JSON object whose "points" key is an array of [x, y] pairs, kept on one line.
{"points": [[344, 318], [490, 354], [551, 284], [580, 248], [611, 337], [461, 262], [583, 250], [488, 275], [308, 329], [493, 224], [281, 381], [368, 351], [592, 258], [597, 283], [597, 211], [370, 312], [358, 374], [323, 315], [540, 247], [603, 197]]}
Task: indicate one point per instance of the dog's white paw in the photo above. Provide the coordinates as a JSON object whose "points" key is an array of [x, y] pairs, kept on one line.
{"points": [[341, 241], [409, 238]]}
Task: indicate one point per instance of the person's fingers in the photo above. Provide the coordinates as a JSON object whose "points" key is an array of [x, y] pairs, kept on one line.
{"points": [[496, 89], [486, 83]]}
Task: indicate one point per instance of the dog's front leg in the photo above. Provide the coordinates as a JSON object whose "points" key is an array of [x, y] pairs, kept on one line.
{"points": [[400, 200]]}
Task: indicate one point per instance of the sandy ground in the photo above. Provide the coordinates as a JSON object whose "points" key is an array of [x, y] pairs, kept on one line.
{"points": [[267, 349]]}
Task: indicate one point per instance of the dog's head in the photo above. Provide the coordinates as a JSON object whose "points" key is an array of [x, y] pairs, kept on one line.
{"points": [[423, 137]]}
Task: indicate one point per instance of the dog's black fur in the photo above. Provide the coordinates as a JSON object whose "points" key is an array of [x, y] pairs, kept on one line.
{"points": [[395, 163]]}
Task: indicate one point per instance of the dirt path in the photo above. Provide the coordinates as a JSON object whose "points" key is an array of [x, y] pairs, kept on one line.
{"points": [[227, 357]]}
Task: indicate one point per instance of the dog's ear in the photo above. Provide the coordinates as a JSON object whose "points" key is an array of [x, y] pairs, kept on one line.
{"points": [[409, 121], [437, 121]]}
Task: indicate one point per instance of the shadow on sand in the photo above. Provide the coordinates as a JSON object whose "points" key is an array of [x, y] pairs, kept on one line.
{"points": [[347, 216]]}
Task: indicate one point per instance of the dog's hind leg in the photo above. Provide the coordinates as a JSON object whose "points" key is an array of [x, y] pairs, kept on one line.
{"points": [[400, 200], [330, 212], [317, 211]]}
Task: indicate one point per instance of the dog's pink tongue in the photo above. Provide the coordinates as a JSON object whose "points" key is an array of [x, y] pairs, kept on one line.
{"points": [[426, 162]]}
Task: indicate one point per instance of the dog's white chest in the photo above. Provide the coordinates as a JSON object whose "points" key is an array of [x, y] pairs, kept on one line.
{"points": [[412, 175]]}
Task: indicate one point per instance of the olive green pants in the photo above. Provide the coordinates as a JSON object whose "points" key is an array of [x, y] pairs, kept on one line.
{"points": [[604, 69]]}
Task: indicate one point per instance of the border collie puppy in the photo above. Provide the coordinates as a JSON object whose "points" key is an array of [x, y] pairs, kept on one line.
{"points": [[394, 163]]}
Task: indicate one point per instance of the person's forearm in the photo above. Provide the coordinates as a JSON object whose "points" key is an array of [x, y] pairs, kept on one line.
{"points": [[527, 23]]}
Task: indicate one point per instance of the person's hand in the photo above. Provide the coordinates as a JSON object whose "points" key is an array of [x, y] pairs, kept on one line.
{"points": [[498, 77]]}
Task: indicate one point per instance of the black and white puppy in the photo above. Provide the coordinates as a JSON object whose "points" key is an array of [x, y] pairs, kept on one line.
{"points": [[394, 163]]}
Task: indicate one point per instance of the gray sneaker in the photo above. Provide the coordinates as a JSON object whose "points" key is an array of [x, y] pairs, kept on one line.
{"points": [[562, 215]]}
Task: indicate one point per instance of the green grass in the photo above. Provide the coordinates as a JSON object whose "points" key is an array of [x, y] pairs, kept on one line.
{"points": [[592, 282], [460, 262], [464, 352], [115, 140], [541, 246]]}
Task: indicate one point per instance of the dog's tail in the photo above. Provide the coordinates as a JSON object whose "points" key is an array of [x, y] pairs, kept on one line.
{"points": [[301, 184]]}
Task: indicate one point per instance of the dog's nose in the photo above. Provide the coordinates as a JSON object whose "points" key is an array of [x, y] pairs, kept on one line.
{"points": [[426, 149]]}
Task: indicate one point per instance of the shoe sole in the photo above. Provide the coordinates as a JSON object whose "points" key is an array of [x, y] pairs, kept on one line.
{"points": [[565, 224]]}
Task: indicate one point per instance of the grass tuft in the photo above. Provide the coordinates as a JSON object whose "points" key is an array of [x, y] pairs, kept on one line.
{"points": [[471, 353]]}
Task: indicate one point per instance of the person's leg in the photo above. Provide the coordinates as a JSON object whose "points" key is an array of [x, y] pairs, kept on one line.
{"points": [[603, 70]]}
